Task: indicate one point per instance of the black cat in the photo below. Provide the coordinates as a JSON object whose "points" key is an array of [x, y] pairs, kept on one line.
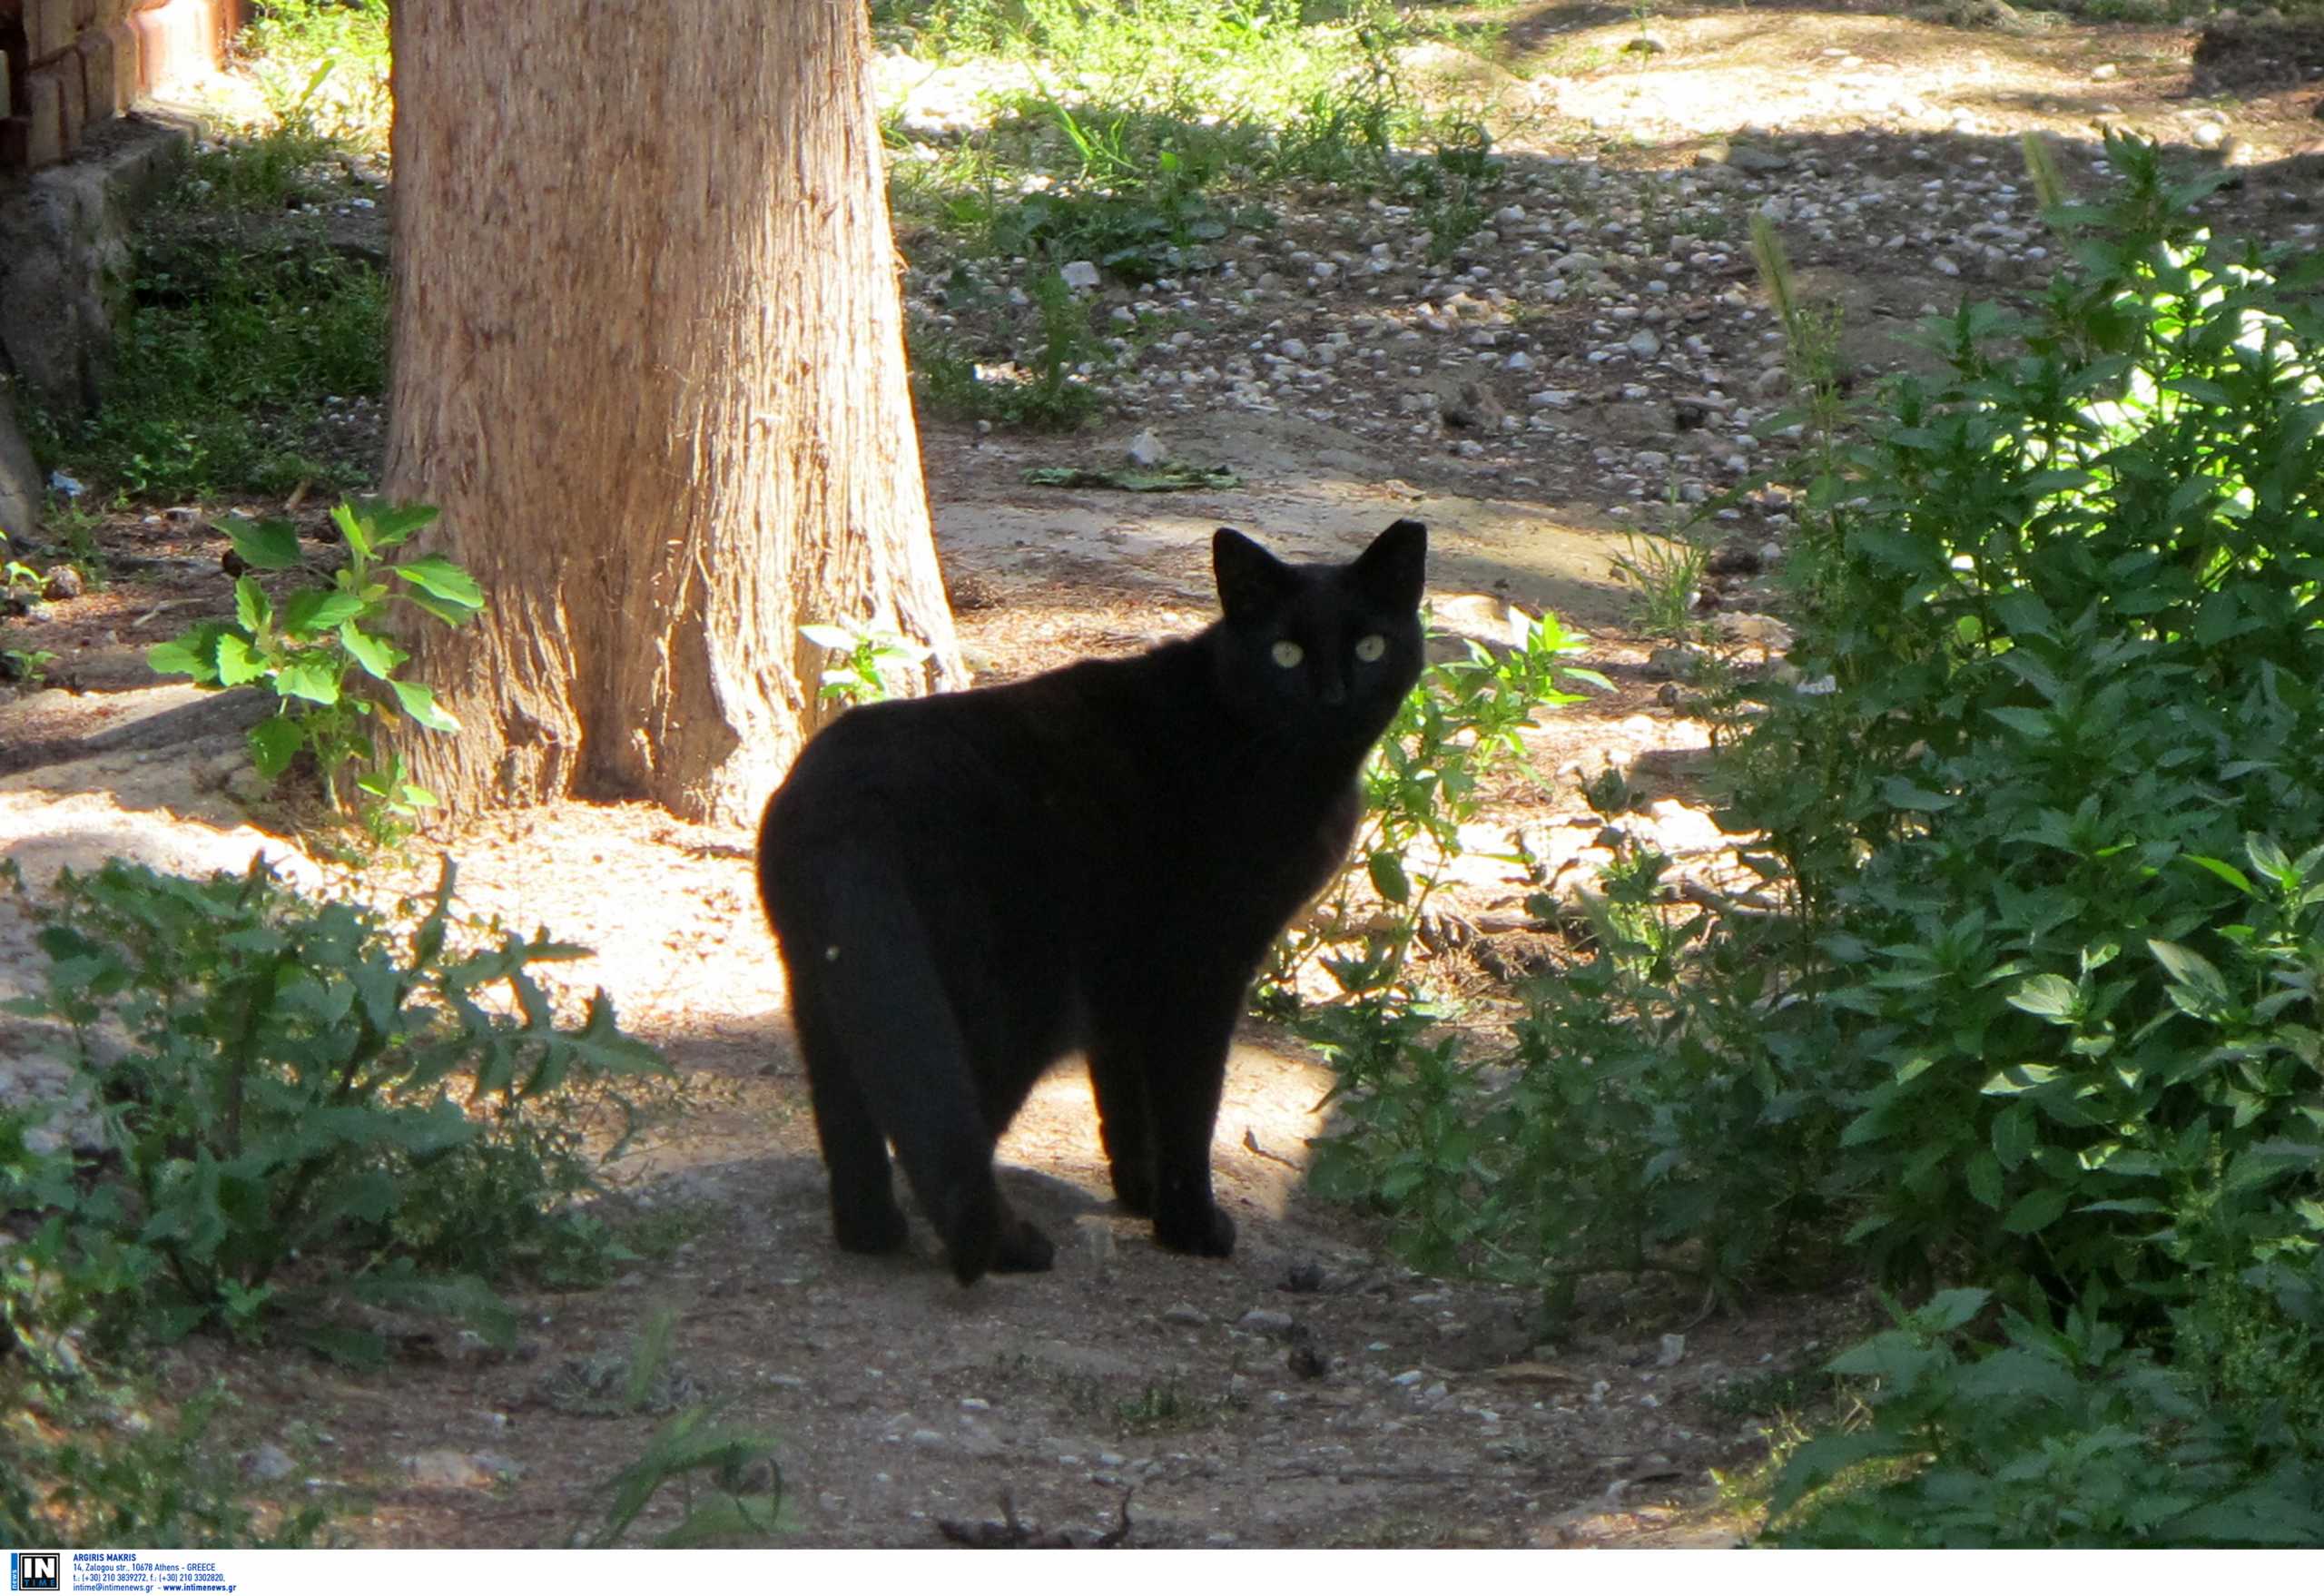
{"points": [[968, 887]]}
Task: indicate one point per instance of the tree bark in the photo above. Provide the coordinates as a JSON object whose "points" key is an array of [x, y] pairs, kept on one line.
{"points": [[648, 360]]}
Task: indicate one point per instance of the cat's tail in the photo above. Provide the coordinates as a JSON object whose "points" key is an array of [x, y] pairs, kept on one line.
{"points": [[884, 1042]]}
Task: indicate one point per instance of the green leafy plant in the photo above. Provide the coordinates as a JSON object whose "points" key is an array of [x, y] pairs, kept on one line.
{"points": [[1045, 387], [1642, 1118], [88, 1466], [1450, 191], [318, 646], [730, 1488], [2064, 1436], [19, 580], [867, 656], [292, 1104], [1135, 204], [2072, 614], [1664, 575], [28, 666], [1461, 721], [2066, 610]]}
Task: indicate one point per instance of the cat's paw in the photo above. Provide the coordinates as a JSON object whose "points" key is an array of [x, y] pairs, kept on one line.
{"points": [[1134, 1189], [1205, 1235], [869, 1229]]}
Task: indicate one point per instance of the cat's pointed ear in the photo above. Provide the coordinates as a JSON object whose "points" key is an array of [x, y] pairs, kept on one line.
{"points": [[1394, 569], [1251, 581]]}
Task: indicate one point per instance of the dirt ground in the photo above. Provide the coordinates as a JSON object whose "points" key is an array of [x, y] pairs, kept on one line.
{"points": [[1306, 1391]]}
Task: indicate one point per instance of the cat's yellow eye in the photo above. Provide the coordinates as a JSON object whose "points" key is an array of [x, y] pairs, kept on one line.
{"points": [[1287, 653], [1368, 649]]}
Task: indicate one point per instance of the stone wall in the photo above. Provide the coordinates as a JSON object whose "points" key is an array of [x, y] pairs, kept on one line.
{"points": [[74, 64]]}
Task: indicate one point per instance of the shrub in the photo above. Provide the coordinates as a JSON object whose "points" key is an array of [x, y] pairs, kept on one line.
{"points": [[87, 1468], [2069, 599], [284, 1101], [2064, 1436]]}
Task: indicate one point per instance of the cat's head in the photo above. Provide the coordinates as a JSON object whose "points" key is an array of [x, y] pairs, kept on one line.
{"points": [[1320, 653]]}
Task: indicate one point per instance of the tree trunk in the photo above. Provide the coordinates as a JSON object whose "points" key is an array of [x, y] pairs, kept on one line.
{"points": [[649, 362]]}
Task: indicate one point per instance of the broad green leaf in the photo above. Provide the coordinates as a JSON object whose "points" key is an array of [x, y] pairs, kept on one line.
{"points": [[2194, 978], [274, 743], [2053, 997], [267, 545], [2036, 1211], [250, 607], [1949, 1310], [1906, 794], [238, 662], [2269, 858], [2217, 620], [443, 609], [312, 679], [350, 528], [435, 575], [2034, 723], [1892, 1356], [392, 524], [193, 655], [1386, 868], [316, 610], [2014, 1078], [1984, 1176], [377, 656], [2013, 1374], [2221, 869], [420, 704], [2023, 612]]}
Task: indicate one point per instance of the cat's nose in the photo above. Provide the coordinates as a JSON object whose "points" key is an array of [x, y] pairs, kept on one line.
{"points": [[1333, 694]]}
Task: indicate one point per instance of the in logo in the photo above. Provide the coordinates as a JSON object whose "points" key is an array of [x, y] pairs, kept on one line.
{"points": [[35, 1571]]}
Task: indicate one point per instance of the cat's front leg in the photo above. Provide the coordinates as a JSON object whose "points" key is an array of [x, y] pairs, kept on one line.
{"points": [[1181, 1058]]}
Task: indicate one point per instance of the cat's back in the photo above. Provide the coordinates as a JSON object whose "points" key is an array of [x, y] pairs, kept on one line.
{"points": [[1024, 748]]}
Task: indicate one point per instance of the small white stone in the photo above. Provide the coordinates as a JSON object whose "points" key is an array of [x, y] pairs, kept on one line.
{"points": [[268, 1464], [1079, 275]]}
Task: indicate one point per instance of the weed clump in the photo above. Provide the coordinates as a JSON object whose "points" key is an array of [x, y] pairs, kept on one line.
{"points": [[277, 1106]]}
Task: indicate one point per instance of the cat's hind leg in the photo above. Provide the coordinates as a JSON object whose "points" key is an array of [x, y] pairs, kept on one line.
{"points": [[1123, 1127], [879, 994], [864, 1215]]}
